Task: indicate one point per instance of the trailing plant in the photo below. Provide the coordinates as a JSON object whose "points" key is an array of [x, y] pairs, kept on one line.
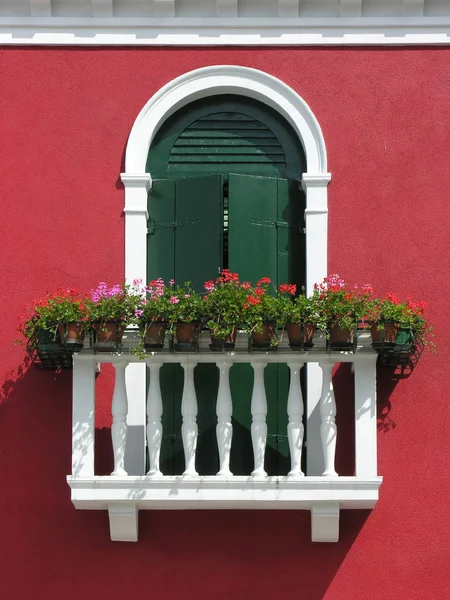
{"points": [[223, 305]]}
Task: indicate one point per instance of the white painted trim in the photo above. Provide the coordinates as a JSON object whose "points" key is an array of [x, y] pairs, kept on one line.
{"points": [[177, 31], [223, 79]]}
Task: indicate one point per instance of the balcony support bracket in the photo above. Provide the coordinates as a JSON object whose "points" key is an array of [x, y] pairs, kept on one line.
{"points": [[123, 522], [325, 522]]}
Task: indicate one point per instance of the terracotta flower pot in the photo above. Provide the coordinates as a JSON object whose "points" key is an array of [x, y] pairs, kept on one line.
{"points": [[300, 336], [154, 334], [72, 334], [224, 343], [387, 334], [341, 338], [264, 339], [108, 335], [186, 335]]}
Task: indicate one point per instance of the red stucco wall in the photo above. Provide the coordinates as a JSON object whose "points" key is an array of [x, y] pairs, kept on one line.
{"points": [[65, 118]]}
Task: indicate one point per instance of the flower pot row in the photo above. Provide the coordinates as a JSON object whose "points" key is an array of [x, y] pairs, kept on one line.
{"points": [[334, 308]]}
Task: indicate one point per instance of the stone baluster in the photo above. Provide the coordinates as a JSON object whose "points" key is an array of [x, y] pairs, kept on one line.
{"points": [[295, 426], [259, 413], [224, 429], [189, 429], [327, 416], [154, 425], [119, 426]]}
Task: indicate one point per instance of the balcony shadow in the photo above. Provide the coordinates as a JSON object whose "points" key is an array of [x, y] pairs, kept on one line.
{"points": [[231, 550]]}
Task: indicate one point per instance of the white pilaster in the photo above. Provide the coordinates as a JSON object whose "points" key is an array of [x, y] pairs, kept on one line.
{"points": [[123, 522], [154, 424], [164, 8], [119, 426], [366, 416], [316, 220], [83, 418], [224, 429], [288, 9], [259, 413], [316, 224], [325, 522], [328, 424], [189, 429], [40, 8], [102, 8], [295, 426], [350, 8], [137, 187], [226, 8]]}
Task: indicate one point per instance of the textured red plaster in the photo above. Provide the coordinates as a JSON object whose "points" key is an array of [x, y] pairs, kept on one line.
{"points": [[65, 118]]}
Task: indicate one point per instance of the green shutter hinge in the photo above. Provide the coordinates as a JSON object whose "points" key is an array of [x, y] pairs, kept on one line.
{"points": [[152, 225], [269, 223]]}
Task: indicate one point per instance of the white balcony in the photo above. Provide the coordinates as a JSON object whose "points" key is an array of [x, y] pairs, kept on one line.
{"points": [[124, 495]]}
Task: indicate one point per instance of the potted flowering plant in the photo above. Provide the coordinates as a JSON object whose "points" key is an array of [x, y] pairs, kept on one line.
{"points": [[343, 307], [300, 315], [396, 323], [184, 315], [57, 318], [152, 313], [223, 308], [262, 313], [110, 310]]}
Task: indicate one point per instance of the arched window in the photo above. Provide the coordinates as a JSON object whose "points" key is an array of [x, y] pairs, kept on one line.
{"points": [[204, 83], [226, 194]]}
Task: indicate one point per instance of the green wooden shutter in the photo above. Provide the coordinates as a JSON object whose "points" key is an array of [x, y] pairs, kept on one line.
{"points": [[252, 236], [264, 241], [185, 243], [161, 230], [198, 232]]}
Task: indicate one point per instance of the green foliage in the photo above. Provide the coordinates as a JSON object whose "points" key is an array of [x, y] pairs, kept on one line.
{"points": [[61, 307], [223, 304], [115, 303]]}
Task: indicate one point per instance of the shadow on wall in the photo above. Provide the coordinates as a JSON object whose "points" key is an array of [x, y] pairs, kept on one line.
{"points": [[240, 553]]}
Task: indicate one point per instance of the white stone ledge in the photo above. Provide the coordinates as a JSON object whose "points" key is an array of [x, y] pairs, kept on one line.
{"points": [[212, 492], [177, 31]]}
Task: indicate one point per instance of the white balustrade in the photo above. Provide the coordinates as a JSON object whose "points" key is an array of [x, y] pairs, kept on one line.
{"points": [[224, 429], [295, 427], [119, 425], [328, 424], [323, 494], [189, 429], [154, 424]]}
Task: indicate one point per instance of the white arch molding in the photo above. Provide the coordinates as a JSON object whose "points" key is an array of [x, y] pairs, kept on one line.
{"points": [[211, 81]]}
